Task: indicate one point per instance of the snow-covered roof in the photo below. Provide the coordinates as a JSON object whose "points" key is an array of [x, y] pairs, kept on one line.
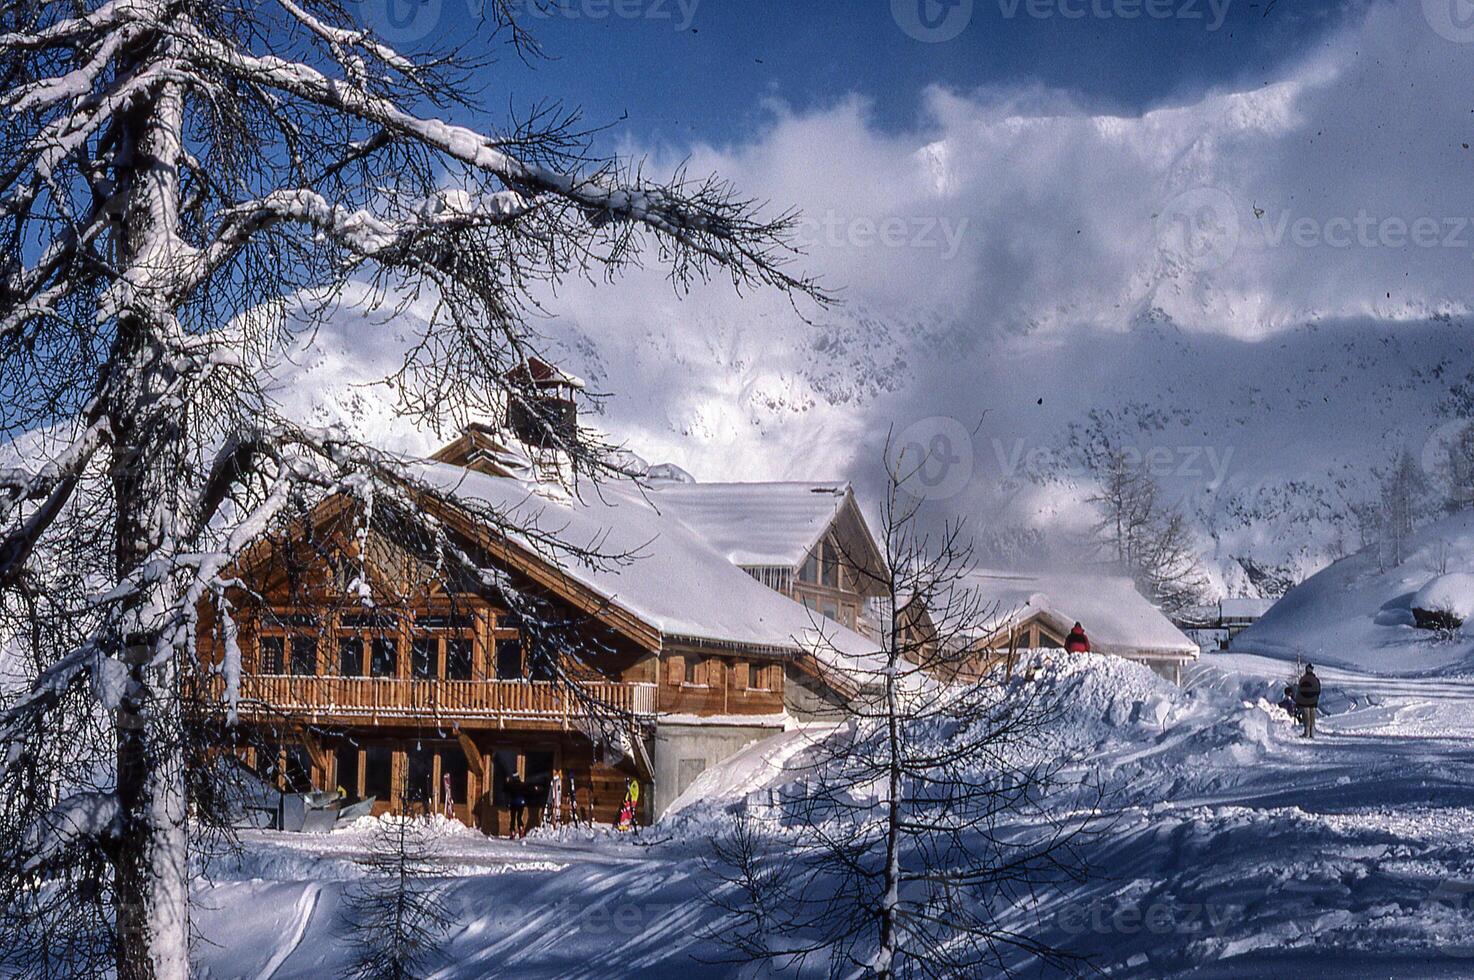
{"points": [[677, 583], [756, 523], [1244, 607], [1116, 617]]}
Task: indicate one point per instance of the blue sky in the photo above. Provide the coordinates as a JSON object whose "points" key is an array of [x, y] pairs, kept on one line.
{"points": [[670, 72]]}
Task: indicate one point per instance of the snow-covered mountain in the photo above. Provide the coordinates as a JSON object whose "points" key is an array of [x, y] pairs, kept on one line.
{"points": [[1267, 443]]}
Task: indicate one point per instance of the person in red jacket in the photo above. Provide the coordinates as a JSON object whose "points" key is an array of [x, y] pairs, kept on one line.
{"points": [[1077, 641]]}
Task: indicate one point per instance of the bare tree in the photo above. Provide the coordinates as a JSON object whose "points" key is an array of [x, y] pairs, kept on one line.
{"points": [[923, 830], [1403, 502], [1140, 533], [172, 169], [395, 915]]}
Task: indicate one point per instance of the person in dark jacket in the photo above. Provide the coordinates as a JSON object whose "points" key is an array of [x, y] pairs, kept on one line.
{"points": [[1288, 705], [1077, 641], [1307, 696]]}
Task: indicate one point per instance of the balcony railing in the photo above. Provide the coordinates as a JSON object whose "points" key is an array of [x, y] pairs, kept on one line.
{"points": [[373, 699]]}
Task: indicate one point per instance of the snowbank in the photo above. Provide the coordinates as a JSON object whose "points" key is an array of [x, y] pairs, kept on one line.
{"points": [[1358, 614]]}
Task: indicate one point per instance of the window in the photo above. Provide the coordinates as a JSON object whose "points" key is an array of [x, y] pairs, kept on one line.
{"points": [[695, 671], [458, 660], [384, 657], [453, 764], [509, 660], [830, 609], [419, 784], [347, 765], [350, 657], [378, 772], [809, 570], [272, 648], [538, 668], [423, 654], [298, 774], [765, 677], [304, 655], [829, 565]]}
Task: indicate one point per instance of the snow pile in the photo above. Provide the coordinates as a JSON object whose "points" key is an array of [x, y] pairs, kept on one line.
{"points": [[1092, 707], [1359, 614], [1452, 593]]}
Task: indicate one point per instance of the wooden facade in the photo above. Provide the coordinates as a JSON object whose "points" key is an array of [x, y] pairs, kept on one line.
{"points": [[427, 696]]}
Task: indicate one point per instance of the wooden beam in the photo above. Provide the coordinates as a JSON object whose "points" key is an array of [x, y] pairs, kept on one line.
{"points": [[473, 754]]}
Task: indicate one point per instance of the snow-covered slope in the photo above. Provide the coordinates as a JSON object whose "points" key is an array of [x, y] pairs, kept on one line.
{"points": [[1234, 849], [1359, 613]]}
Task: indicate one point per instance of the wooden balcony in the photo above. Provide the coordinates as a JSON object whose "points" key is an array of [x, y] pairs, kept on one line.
{"points": [[396, 701]]}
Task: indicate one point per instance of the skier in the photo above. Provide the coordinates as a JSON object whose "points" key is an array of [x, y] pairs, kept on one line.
{"points": [[1307, 696], [1077, 641], [627, 811]]}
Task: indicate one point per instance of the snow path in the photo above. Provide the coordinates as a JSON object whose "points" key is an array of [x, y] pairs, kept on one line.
{"points": [[1235, 850]]}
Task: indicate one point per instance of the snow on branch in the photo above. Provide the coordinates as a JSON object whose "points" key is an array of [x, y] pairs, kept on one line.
{"points": [[81, 816]]}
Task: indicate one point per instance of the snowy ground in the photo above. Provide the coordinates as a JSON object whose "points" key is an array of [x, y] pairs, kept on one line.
{"points": [[1237, 850]]}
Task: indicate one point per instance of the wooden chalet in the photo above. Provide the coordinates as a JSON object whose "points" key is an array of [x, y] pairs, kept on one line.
{"points": [[808, 541], [1037, 611], [367, 670]]}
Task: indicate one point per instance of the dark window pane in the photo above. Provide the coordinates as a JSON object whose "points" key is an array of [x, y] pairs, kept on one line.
{"points": [[453, 764], [419, 784], [299, 770], [694, 673], [423, 653], [348, 769], [304, 655], [509, 660], [378, 772], [271, 654], [350, 657], [458, 660], [384, 657], [503, 771], [538, 668]]}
